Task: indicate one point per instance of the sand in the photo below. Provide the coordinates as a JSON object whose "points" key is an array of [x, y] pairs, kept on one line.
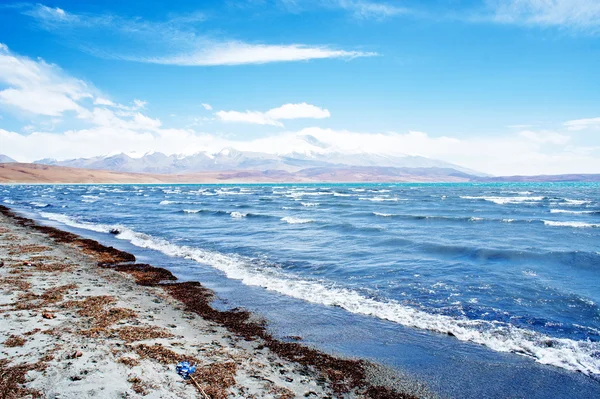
{"points": [[86, 352], [78, 319]]}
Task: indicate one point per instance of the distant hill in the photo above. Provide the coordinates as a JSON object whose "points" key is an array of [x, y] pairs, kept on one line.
{"points": [[6, 159], [35, 173]]}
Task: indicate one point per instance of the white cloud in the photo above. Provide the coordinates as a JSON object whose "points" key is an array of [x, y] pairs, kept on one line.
{"points": [[273, 116], [576, 14], [238, 53], [368, 9], [104, 101], [582, 124], [173, 42], [298, 111], [255, 117], [207, 107], [37, 87], [545, 137], [139, 104]]}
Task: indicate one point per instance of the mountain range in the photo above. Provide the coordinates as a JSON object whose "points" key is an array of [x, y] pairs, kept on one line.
{"points": [[232, 165], [230, 159]]}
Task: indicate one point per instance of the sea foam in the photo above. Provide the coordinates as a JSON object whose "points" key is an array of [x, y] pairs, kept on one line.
{"points": [[295, 220]]}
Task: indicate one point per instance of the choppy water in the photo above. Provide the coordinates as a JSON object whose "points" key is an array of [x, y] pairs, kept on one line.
{"points": [[513, 267]]}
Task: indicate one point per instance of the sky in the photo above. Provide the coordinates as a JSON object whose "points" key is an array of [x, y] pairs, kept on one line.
{"points": [[503, 87]]}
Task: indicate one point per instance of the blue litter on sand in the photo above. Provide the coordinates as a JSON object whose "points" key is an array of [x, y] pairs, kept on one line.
{"points": [[184, 369]]}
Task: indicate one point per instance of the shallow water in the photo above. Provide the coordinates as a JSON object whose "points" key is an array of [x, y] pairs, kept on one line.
{"points": [[512, 268]]}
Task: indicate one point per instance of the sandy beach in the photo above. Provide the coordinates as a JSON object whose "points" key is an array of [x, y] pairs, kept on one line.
{"points": [[83, 320]]}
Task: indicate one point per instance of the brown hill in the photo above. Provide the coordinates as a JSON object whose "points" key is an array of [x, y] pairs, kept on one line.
{"points": [[37, 173]]}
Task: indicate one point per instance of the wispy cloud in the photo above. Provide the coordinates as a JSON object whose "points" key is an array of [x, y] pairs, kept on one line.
{"points": [[207, 107], [274, 116], [572, 14], [582, 124], [369, 9], [175, 41], [238, 53], [359, 9]]}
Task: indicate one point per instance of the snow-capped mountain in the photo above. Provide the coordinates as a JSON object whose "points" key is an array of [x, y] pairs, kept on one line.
{"points": [[233, 159], [6, 159]]}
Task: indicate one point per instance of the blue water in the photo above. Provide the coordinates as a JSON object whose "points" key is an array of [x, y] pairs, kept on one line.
{"points": [[503, 272]]}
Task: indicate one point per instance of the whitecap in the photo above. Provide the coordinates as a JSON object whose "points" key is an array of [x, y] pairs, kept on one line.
{"points": [[570, 212], [576, 202], [570, 224], [383, 214], [238, 215], [506, 200], [295, 220]]}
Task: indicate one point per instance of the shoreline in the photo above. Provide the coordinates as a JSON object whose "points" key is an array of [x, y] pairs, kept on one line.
{"points": [[342, 377]]}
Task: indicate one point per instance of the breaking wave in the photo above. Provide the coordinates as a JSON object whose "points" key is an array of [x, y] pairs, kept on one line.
{"points": [[295, 220], [570, 224]]}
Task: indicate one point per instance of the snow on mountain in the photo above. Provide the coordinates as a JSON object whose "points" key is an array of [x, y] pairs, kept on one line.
{"points": [[6, 159], [229, 159]]}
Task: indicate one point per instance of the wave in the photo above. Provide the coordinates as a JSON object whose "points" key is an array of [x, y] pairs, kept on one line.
{"points": [[506, 200], [227, 192], [192, 210], [387, 215], [9, 201], [381, 199], [170, 202], [576, 202], [39, 204], [295, 220], [309, 204], [450, 218], [90, 198], [570, 224], [238, 215], [69, 221], [499, 336], [574, 212]]}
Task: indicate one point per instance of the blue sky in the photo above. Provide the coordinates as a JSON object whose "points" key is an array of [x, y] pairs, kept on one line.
{"points": [[505, 87]]}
